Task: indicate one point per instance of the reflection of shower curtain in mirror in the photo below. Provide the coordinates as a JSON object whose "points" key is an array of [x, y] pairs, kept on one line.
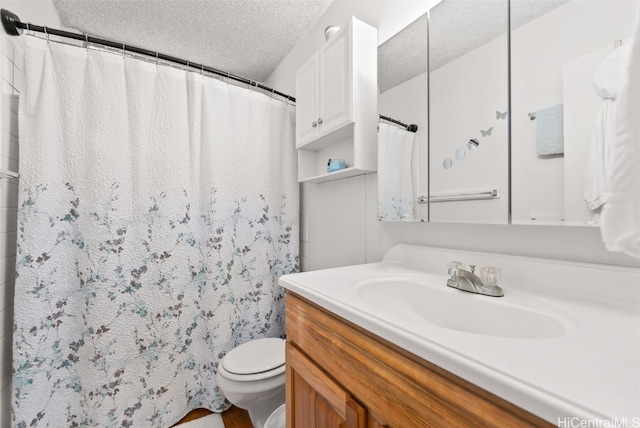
{"points": [[158, 208], [397, 191]]}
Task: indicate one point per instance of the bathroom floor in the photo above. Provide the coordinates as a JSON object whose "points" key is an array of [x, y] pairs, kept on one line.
{"points": [[233, 418]]}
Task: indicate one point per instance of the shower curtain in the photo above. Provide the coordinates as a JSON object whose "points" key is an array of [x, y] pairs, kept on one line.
{"points": [[397, 173], [158, 207]]}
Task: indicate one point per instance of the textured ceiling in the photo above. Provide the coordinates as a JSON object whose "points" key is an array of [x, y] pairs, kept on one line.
{"points": [[455, 27], [250, 38], [403, 56], [247, 38]]}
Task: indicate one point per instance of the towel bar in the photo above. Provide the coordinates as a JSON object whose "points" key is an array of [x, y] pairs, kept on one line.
{"points": [[463, 196]]}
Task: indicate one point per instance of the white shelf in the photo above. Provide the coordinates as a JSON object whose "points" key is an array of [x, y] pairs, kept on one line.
{"points": [[329, 139], [336, 175]]}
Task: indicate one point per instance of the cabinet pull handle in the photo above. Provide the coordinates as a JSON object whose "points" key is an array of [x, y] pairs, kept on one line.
{"points": [[320, 121], [313, 124]]}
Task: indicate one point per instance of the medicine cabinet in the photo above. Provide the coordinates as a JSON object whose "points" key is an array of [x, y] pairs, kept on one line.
{"points": [[516, 103]]}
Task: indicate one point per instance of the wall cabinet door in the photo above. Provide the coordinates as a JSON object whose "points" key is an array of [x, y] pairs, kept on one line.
{"points": [[335, 88], [307, 91], [314, 400]]}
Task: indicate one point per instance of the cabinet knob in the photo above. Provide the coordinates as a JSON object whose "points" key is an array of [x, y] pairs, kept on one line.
{"points": [[314, 124], [319, 121]]}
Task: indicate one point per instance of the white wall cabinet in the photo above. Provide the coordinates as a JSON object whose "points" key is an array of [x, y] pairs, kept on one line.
{"points": [[324, 81], [336, 105]]}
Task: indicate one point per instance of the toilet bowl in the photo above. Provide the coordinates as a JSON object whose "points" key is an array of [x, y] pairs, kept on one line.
{"points": [[252, 376]]}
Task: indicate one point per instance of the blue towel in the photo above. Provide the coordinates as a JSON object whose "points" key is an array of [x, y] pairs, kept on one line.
{"points": [[550, 131]]}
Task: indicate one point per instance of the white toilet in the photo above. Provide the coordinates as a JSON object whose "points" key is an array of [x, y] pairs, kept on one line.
{"points": [[251, 376]]}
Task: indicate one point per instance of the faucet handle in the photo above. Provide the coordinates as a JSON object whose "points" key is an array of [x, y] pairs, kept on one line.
{"points": [[490, 275], [473, 268], [455, 265]]}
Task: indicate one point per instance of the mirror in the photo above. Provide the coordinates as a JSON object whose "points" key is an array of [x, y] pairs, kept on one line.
{"points": [[563, 64], [468, 112], [402, 155]]}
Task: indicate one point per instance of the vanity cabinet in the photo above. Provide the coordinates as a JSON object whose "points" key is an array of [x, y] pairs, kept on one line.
{"points": [[336, 113], [340, 375], [320, 401]]}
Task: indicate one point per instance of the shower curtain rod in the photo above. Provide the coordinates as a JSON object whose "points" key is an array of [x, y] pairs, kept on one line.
{"points": [[411, 128], [11, 23]]}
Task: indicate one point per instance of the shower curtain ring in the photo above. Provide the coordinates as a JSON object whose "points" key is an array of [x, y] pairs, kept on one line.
{"points": [[123, 49], [45, 32], [202, 69], [86, 40], [156, 59]]}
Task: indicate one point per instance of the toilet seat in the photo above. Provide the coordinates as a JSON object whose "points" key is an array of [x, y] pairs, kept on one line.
{"points": [[255, 360]]}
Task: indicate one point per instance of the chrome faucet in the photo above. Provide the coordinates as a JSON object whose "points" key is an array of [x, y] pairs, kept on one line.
{"points": [[468, 281]]}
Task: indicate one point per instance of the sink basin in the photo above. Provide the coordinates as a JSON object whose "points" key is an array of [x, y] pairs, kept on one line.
{"points": [[458, 310]]}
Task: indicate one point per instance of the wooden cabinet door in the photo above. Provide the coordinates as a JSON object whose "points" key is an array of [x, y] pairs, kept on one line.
{"points": [[314, 400], [336, 91], [307, 92]]}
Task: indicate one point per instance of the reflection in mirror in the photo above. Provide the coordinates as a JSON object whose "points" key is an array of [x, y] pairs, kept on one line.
{"points": [[564, 75], [468, 102], [402, 155]]}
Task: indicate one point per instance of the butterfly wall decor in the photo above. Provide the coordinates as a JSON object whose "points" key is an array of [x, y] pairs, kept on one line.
{"points": [[487, 132], [473, 143]]}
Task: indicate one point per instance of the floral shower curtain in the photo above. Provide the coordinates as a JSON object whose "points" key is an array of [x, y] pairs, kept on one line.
{"points": [[158, 208]]}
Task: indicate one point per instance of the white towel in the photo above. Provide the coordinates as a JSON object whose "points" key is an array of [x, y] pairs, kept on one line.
{"points": [[620, 221], [396, 183], [608, 80]]}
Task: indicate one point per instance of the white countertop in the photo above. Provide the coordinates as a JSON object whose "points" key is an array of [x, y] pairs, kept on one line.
{"points": [[592, 371]]}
